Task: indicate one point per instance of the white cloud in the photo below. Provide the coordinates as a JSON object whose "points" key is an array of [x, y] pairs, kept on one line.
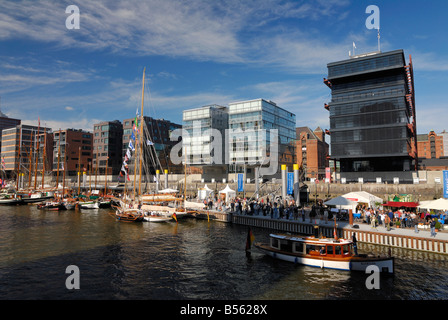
{"points": [[199, 30], [85, 124]]}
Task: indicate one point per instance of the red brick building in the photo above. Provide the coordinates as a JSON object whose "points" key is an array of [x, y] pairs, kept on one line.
{"points": [[431, 154], [76, 149], [312, 152], [430, 146]]}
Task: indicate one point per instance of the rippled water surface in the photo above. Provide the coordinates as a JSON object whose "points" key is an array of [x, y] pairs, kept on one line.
{"points": [[193, 259]]}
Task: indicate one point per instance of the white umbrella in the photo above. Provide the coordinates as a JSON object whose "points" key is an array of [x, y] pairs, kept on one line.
{"points": [[340, 201], [425, 204], [363, 197], [439, 204]]}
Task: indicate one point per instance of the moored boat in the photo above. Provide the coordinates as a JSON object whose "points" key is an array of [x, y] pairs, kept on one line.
{"points": [[105, 203], [323, 253], [10, 201], [89, 205], [128, 215], [34, 197], [52, 205], [69, 205], [154, 216]]}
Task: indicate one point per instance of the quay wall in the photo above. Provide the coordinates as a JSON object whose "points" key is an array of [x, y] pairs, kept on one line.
{"points": [[370, 237], [426, 189]]}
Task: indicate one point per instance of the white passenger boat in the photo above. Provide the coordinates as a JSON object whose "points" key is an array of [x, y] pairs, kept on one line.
{"points": [[323, 253]]}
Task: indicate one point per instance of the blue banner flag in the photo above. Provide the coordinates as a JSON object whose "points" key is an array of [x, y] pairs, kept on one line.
{"points": [[445, 184], [290, 183], [240, 182]]}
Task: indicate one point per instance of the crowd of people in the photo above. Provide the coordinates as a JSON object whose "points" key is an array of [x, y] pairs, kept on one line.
{"points": [[276, 208], [401, 218]]}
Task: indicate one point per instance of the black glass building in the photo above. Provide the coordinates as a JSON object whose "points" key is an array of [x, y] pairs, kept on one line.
{"points": [[372, 113]]}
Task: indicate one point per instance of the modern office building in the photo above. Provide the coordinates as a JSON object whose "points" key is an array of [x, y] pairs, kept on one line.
{"points": [[372, 116], [204, 141], [19, 145], [6, 123], [75, 147], [107, 151], [251, 136], [312, 152], [224, 141], [157, 149]]}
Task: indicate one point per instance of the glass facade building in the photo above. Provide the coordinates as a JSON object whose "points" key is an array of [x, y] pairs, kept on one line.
{"points": [[231, 139], [372, 113], [205, 135], [250, 124]]}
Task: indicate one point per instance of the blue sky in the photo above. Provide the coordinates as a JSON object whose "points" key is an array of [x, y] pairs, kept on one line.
{"points": [[202, 52]]}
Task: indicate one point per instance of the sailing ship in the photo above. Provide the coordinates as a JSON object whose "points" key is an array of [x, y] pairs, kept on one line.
{"points": [[127, 210], [35, 194]]}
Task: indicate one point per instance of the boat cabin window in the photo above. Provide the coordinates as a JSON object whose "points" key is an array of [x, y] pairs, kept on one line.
{"points": [[315, 249], [286, 245], [281, 244], [330, 250], [298, 247], [337, 250], [346, 249], [310, 247], [275, 243]]}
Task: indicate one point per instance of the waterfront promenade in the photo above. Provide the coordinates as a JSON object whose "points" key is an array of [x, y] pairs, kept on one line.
{"points": [[405, 238]]}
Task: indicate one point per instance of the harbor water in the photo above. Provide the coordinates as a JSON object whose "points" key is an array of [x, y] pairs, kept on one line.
{"points": [[190, 260]]}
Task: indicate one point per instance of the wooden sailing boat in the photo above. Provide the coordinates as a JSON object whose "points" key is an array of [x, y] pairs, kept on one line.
{"points": [[126, 211], [36, 194]]}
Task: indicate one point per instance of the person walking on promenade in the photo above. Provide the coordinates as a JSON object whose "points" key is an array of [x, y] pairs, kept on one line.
{"points": [[432, 225], [373, 220], [275, 211], [387, 222]]}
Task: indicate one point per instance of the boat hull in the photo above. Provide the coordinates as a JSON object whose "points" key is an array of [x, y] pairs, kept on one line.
{"points": [[11, 201], [92, 205], [51, 206], [385, 265], [157, 219], [69, 206], [130, 215]]}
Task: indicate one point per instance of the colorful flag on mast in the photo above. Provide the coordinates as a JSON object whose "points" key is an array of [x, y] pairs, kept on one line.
{"points": [[135, 127], [250, 239]]}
